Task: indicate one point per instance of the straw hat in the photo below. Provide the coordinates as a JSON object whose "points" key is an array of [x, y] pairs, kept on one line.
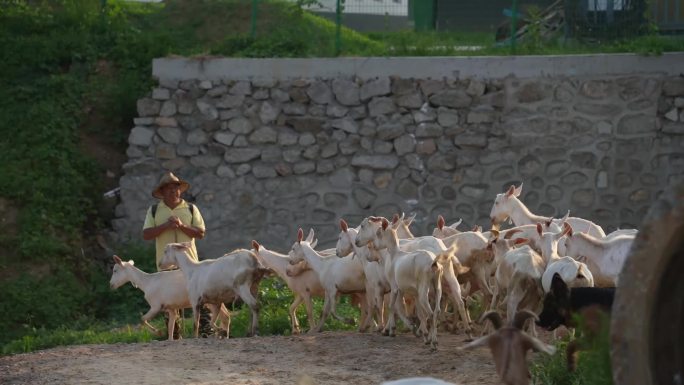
{"points": [[167, 179]]}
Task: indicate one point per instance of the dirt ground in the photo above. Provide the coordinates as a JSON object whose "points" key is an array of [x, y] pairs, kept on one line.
{"points": [[323, 358]]}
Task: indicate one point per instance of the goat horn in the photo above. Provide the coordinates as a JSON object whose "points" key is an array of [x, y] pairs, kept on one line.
{"points": [[521, 317], [493, 317], [511, 232]]}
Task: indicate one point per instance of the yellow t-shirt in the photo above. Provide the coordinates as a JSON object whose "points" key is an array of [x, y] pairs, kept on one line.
{"points": [[182, 211]]}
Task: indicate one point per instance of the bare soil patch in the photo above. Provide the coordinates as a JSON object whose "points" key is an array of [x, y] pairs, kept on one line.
{"points": [[323, 358]]}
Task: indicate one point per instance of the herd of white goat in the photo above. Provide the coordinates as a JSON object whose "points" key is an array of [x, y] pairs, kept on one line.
{"points": [[391, 273]]}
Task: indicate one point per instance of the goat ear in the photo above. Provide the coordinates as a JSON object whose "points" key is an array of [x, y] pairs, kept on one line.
{"points": [[395, 218], [518, 190], [558, 287], [117, 259], [385, 223], [460, 269], [495, 234], [567, 229], [539, 229], [511, 191], [482, 341], [455, 225], [255, 245], [511, 232], [314, 243], [521, 241], [310, 236], [537, 345], [343, 225], [300, 235], [440, 222]]}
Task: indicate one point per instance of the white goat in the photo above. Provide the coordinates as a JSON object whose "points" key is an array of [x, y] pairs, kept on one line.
{"points": [[438, 246], [442, 231], [507, 205], [604, 258], [472, 258], [414, 273], [518, 272], [304, 284], [164, 291], [217, 280], [573, 272], [404, 230], [376, 281], [337, 275]]}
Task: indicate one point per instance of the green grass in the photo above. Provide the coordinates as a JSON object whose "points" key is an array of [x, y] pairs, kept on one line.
{"points": [[62, 336], [274, 299], [593, 365]]}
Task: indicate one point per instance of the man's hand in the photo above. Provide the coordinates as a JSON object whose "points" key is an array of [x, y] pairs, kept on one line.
{"points": [[174, 222]]}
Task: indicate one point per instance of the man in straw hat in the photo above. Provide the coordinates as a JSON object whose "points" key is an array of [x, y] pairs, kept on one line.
{"points": [[173, 220]]}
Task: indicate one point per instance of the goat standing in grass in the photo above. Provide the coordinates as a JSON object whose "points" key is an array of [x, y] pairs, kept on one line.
{"points": [[164, 291], [217, 280]]}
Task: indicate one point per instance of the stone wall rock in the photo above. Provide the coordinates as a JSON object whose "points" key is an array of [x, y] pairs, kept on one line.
{"points": [[265, 156]]}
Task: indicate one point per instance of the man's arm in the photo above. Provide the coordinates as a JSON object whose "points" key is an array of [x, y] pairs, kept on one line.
{"points": [[190, 231], [153, 232]]}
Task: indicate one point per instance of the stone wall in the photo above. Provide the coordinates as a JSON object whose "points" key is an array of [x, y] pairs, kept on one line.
{"points": [[271, 153]]}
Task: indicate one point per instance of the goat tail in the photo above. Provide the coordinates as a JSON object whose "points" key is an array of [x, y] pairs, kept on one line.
{"points": [[445, 257]]}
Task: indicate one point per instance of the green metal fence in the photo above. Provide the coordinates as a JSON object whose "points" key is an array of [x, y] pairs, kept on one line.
{"points": [[506, 22], [668, 14]]}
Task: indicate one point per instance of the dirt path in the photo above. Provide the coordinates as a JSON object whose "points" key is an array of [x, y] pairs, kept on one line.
{"points": [[325, 358]]}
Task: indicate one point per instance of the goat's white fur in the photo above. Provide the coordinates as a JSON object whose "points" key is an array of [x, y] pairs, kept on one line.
{"points": [[574, 273], [507, 205], [416, 273], [337, 275], [304, 284], [216, 280], [164, 291], [604, 257], [376, 281]]}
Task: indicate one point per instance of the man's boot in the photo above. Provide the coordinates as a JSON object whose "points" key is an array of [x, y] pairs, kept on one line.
{"points": [[205, 329], [163, 330], [177, 327]]}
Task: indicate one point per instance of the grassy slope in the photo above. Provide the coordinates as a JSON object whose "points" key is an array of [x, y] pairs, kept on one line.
{"points": [[71, 77]]}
